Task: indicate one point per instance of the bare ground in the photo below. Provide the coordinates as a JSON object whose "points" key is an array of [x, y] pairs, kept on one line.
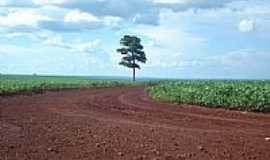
{"points": [[124, 123]]}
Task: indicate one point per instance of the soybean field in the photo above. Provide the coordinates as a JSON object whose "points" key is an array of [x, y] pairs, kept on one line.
{"points": [[231, 94], [10, 84]]}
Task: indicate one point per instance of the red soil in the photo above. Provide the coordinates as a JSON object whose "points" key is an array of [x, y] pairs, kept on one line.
{"points": [[124, 123]]}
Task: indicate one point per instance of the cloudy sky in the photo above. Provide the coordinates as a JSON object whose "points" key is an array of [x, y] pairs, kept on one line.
{"points": [[182, 38]]}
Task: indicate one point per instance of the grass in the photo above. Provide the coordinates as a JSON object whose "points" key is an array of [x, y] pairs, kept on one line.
{"points": [[230, 94], [10, 84]]}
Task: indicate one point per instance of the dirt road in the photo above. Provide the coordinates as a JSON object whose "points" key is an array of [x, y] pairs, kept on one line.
{"points": [[125, 124]]}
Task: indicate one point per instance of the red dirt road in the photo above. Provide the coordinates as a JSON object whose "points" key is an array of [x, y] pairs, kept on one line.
{"points": [[125, 124]]}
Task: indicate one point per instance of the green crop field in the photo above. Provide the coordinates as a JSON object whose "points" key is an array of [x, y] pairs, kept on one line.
{"points": [[230, 94], [10, 84]]}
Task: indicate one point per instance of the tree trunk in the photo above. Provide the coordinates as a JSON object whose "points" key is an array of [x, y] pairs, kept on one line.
{"points": [[134, 75], [134, 69]]}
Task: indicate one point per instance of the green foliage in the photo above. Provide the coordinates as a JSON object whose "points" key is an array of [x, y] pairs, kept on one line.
{"points": [[14, 84], [239, 95], [132, 52]]}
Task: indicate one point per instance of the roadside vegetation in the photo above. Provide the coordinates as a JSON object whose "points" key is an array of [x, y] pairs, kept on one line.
{"points": [[230, 94], [10, 84]]}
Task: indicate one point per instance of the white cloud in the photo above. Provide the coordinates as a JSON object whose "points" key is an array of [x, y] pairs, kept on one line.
{"points": [[54, 41], [112, 21], [75, 46], [246, 26], [167, 45], [14, 35], [242, 63], [77, 16], [85, 47], [144, 11], [22, 18], [168, 36], [77, 21]]}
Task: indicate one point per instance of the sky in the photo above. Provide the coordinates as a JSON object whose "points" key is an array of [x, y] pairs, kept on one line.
{"points": [[181, 38]]}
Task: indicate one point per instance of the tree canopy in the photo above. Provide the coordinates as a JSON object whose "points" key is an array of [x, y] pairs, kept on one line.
{"points": [[132, 52]]}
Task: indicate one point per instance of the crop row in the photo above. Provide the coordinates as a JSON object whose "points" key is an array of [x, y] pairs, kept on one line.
{"points": [[15, 84], [240, 95]]}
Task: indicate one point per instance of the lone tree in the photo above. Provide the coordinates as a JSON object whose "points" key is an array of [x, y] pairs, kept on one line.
{"points": [[132, 52]]}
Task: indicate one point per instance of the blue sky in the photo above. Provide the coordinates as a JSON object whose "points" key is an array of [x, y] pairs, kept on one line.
{"points": [[182, 38]]}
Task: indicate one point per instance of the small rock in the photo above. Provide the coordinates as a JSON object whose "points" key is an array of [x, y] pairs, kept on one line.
{"points": [[98, 145], [105, 149], [156, 152], [244, 112], [50, 149], [103, 142], [267, 139], [95, 136], [120, 154], [200, 148], [189, 155]]}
